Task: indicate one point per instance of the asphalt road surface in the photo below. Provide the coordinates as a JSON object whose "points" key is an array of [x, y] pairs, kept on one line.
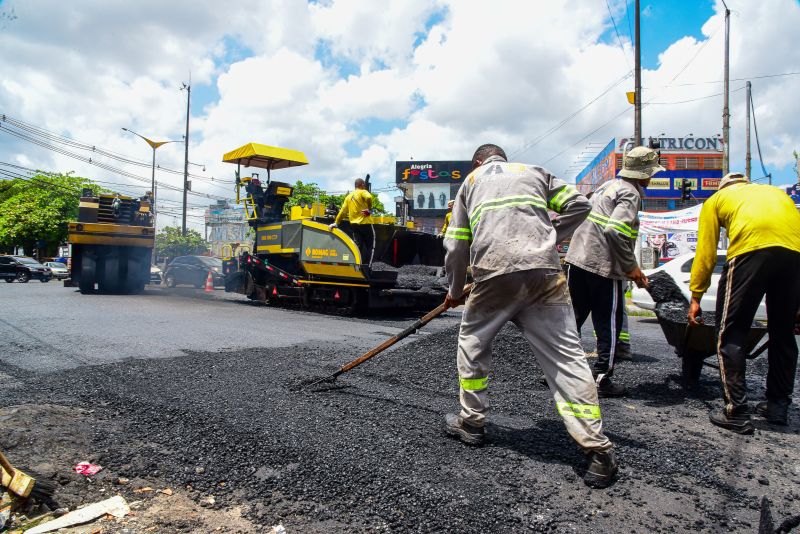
{"points": [[46, 327], [217, 417]]}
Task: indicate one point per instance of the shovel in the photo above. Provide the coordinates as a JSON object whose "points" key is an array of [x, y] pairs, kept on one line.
{"points": [[436, 312]]}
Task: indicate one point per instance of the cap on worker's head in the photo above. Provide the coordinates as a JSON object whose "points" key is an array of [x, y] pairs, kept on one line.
{"points": [[732, 178], [450, 204], [640, 163]]}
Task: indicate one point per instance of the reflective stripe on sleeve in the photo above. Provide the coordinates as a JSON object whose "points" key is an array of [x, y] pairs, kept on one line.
{"points": [[564, 194], [458, 233], [505, 202], [581, 411], [624, 336], [617, 225], [473, 384]]}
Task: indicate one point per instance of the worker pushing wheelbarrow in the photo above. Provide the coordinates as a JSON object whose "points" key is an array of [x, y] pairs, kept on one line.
{"points": [[763, 227]]}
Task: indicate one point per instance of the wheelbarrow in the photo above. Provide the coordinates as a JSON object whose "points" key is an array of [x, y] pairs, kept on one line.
{"points": [[693, 344]]}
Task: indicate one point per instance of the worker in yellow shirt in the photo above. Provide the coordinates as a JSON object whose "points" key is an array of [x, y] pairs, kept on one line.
{"points": [[447, 217], [763, 227], [357, 208]]}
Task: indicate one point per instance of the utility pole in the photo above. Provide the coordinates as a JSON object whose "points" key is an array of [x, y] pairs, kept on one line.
{"points": [[726, 116], [637, 96], [747, 132], [188, 88]]}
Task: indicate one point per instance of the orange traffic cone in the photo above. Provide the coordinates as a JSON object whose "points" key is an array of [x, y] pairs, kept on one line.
{"points": [[209, 283]]}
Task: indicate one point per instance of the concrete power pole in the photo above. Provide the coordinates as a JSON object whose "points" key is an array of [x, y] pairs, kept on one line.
{"points": [[188, 88], [726, 116], [747, 133], [637, 97]]}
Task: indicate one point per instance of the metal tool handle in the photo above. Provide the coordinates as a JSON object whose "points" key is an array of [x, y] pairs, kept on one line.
{"points": [[428, 317]]}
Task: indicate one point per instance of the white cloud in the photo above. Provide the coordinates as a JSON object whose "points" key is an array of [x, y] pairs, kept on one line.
{"points": [[502, 72]]}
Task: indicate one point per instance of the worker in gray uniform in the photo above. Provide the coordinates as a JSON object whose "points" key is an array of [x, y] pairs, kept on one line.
{"points": [[601, 257], [501, 229]]}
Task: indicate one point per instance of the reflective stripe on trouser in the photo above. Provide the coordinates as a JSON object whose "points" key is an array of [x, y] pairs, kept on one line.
{"points": [[537, 302]]}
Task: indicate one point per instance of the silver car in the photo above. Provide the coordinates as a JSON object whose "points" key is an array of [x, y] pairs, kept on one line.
{"points": [[59, 269]]}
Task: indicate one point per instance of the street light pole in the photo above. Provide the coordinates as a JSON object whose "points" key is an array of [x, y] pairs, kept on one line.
{"points": [[154, 145], [188, 88], [637, 102], [726, 116]]}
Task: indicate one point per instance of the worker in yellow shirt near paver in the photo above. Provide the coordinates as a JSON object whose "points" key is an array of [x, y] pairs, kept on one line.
{"points": [[763, 227], [357, 208], [447, 217]]}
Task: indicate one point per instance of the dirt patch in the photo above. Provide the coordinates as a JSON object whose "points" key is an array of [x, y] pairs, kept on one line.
{"points": [[49, 439]]}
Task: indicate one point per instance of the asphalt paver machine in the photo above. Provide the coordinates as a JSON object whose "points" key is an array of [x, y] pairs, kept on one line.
{"points": [[296, 258]]}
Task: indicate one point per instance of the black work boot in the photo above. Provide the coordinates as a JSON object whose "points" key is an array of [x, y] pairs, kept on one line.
{"points": [[623, 352], [606, 389], [776, 413], [602, 469], [455, 426], [738, 422]]}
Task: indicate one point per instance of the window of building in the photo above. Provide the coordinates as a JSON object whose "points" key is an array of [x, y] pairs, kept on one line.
{"points": [[712, 163], [664, 162], [687, 163]]}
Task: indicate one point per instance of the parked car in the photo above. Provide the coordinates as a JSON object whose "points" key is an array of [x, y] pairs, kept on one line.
{"points": [[193, 270], [59, 269], [156, 275], [680, 269], [22, 269]]}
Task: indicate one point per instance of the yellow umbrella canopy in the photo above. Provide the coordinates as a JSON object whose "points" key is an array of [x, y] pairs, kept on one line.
{"points": [[265, 157]]}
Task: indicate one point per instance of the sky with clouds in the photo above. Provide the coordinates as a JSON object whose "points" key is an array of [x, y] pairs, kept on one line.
{"points": [[357, 84]]}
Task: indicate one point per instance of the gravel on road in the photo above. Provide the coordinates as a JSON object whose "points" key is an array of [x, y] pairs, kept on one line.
{"points": [[368, 453]]}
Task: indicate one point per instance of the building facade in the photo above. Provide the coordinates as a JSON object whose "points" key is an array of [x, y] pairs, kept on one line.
{"points": [[226, 229], [696, 159], [427, 187]]}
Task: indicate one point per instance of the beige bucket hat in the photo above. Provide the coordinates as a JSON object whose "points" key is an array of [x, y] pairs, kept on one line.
{"points": [[640, 163], [732, 178]]}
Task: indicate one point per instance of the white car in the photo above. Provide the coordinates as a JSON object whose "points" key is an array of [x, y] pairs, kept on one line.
{"points": [[680, 269], [59, 269]]}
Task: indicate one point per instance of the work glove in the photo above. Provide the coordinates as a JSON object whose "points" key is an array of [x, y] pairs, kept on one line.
{"points": [[332, 226]]}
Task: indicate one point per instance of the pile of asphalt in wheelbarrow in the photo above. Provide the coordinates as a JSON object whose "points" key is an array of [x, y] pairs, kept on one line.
{"points": [[418, 277], [671, 305]]}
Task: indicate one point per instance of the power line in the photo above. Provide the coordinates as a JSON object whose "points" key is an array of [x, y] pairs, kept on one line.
{"points": [[763, 76], [555, 128], [758, 143], [619, 39], [692, 99], [56, 138], [101, 165]]}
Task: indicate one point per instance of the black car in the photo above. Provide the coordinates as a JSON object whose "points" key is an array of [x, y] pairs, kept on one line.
{"points": [[193, 270], [22, 269]]}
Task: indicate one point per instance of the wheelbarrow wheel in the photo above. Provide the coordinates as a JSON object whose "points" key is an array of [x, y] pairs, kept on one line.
{"points": [[691, 367]]}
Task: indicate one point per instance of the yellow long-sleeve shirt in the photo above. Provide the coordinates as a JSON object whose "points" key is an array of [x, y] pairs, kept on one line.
{"points": [[354, 203], [447, 217], [756, 217]]}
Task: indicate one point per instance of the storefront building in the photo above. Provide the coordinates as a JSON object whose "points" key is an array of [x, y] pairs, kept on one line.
{"points": [[427, 188], [696, 159]]}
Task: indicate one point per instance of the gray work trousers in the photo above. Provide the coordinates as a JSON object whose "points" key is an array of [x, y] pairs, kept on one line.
{"points": [[537, 302]]}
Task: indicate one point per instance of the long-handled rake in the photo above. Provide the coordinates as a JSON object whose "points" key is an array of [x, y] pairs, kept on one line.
{"points": [[436, 312]]}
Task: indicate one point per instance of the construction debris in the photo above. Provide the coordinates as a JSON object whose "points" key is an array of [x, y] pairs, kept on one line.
{"points": [[86, 468], [115, 506]]}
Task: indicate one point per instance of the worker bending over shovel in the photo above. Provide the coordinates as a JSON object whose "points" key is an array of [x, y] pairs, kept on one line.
{"points": [[501, 228]]}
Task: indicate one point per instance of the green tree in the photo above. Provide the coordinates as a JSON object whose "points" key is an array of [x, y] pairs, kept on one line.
{"points": [[170, 242], [37, 209], [307, 193]]}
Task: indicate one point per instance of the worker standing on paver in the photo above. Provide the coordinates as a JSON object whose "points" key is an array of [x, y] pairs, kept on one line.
{"points": [[357, 207], [601, 258], [501, 229], [763, 227], [447, 217]]}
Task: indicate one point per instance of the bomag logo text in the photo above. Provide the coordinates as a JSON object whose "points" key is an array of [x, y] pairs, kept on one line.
{"points": [[322, 252]]}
